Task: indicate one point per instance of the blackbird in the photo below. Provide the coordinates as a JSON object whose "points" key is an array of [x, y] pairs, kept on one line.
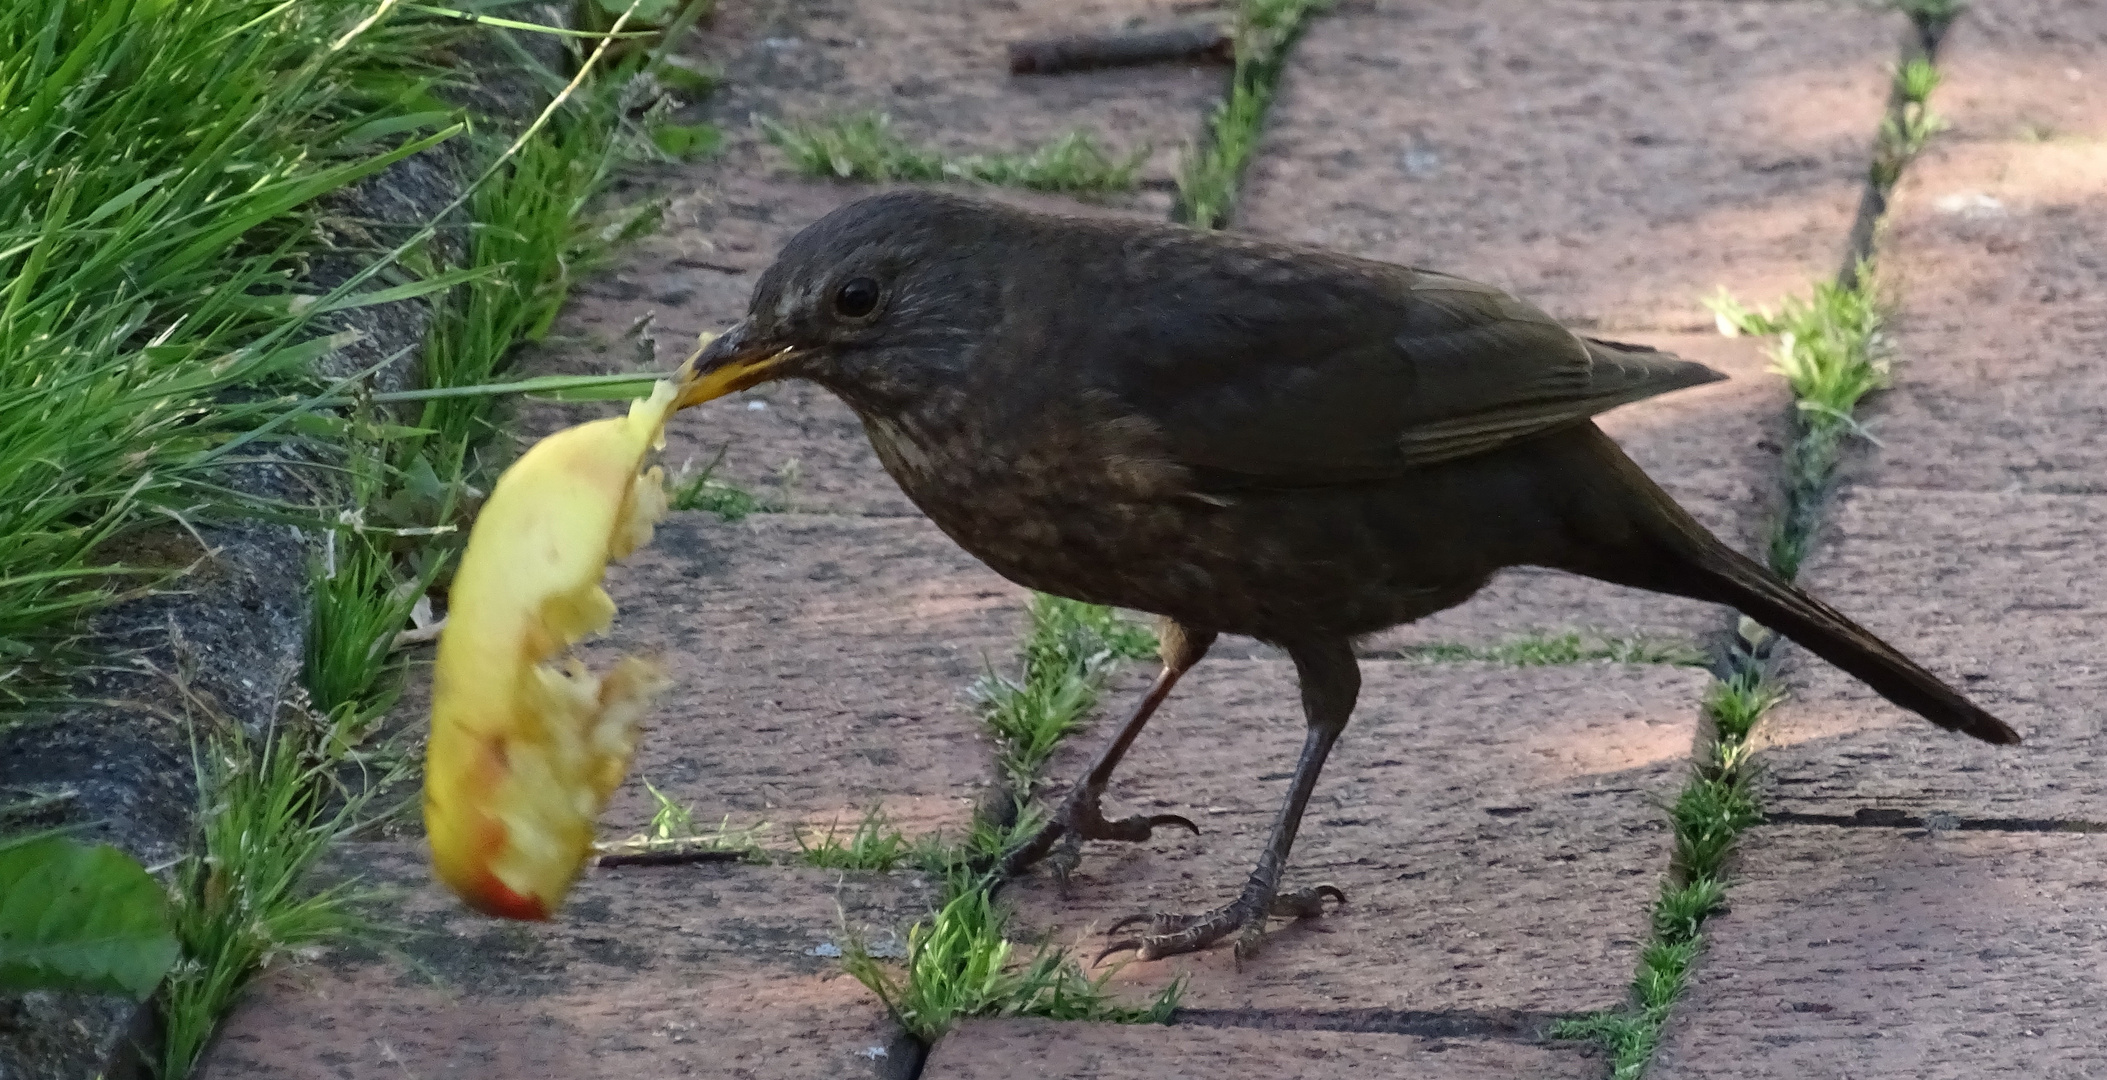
{"points": [[1243, 437]]}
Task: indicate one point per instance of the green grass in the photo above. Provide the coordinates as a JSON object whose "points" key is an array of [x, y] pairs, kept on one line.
{"points": [[1715, 807], [532, 238], [959, 964], [1209, 175], [351, 673], [1067, 655], [727, 500], [703, 491], [1915, 80], [268, 811], [673, 826], [1909, 124], [269, 814], [1570, 647], [158, 167], [1833, 350], [872, 845], [963, 862], [160, 164], [362, 593], [412, 492], [864, 146]]}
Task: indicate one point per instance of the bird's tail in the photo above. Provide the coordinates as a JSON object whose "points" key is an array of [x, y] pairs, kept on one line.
{"points": [[1658, 546], [1767, 598]]}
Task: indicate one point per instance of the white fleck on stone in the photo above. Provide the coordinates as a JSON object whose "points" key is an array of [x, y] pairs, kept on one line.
{"points": [[1420, 162], [1970, 204]]}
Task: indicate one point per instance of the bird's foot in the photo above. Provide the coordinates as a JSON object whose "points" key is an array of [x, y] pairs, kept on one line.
{"points": [[1080, 819], [1170, 935]]}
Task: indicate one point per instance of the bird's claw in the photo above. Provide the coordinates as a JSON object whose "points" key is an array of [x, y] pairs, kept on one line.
{"points": [[1160, 922], [1157, 821], [1305, 903], [1117, 947], [1172, 934], [1078, 820]]}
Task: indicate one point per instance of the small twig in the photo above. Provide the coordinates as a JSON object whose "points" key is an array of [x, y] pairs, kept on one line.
{"points": [[669, 858], [421, 635], [1051, 56], [38, 804]]}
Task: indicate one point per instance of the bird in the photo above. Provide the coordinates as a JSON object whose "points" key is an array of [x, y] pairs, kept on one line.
{"points": [[1241, 436]]}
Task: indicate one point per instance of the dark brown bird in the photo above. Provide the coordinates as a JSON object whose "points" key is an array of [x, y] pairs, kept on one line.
{"points": [[1243, 437]]}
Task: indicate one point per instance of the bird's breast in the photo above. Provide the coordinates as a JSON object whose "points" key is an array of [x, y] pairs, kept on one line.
{"points": [[1033, 501]]}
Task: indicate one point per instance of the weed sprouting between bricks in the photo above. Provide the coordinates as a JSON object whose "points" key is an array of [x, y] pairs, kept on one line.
{"points": [[1716, 805], [1908, 128], [959, 962], [959, 965], [702, 490], [1209, 175], [1071, 649], [1833, 350], [872, 845]]}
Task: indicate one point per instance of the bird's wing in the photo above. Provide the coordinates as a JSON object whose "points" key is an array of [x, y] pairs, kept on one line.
{"points": [[1300, 391]]}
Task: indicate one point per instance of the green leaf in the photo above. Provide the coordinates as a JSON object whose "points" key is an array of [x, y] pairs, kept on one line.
{"points": [[687, 141], [688, 75], [81, 917], [649, 12], [551, 387], [385, 126]]}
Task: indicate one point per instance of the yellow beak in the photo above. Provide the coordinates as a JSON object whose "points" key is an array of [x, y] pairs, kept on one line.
{"points": [[726, 364]]}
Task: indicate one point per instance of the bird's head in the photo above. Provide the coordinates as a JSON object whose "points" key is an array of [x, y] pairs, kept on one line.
{"points": [[879, 301]]}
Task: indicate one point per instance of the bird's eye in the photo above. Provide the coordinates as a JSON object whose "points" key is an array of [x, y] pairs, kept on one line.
{"points": [[856, 298]]}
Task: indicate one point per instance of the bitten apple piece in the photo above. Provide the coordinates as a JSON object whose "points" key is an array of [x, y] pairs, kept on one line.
{"points": [[527, 745]]}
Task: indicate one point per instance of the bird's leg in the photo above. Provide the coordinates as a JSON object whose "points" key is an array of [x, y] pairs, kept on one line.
{"points": [[1331, 680], [1079, 817]]}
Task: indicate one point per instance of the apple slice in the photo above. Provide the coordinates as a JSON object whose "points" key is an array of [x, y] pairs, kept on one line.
{"points": [[526, 744]]}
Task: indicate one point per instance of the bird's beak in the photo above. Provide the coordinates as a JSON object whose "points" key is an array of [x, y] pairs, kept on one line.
{"points": [[728, 363]]}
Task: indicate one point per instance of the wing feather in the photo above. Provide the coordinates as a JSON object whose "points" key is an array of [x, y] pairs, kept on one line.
{"points": [[1261, 365]]}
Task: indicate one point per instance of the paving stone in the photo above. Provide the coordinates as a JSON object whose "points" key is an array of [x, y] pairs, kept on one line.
{"points": [[1996, 240], [1497, 831], [1877, 954], [2000, 251], [820, 665], [2025, 69], [704, 971], [994, 1049], [1610, 161], [939, 68], [2002, 594], [1969, 538]]}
